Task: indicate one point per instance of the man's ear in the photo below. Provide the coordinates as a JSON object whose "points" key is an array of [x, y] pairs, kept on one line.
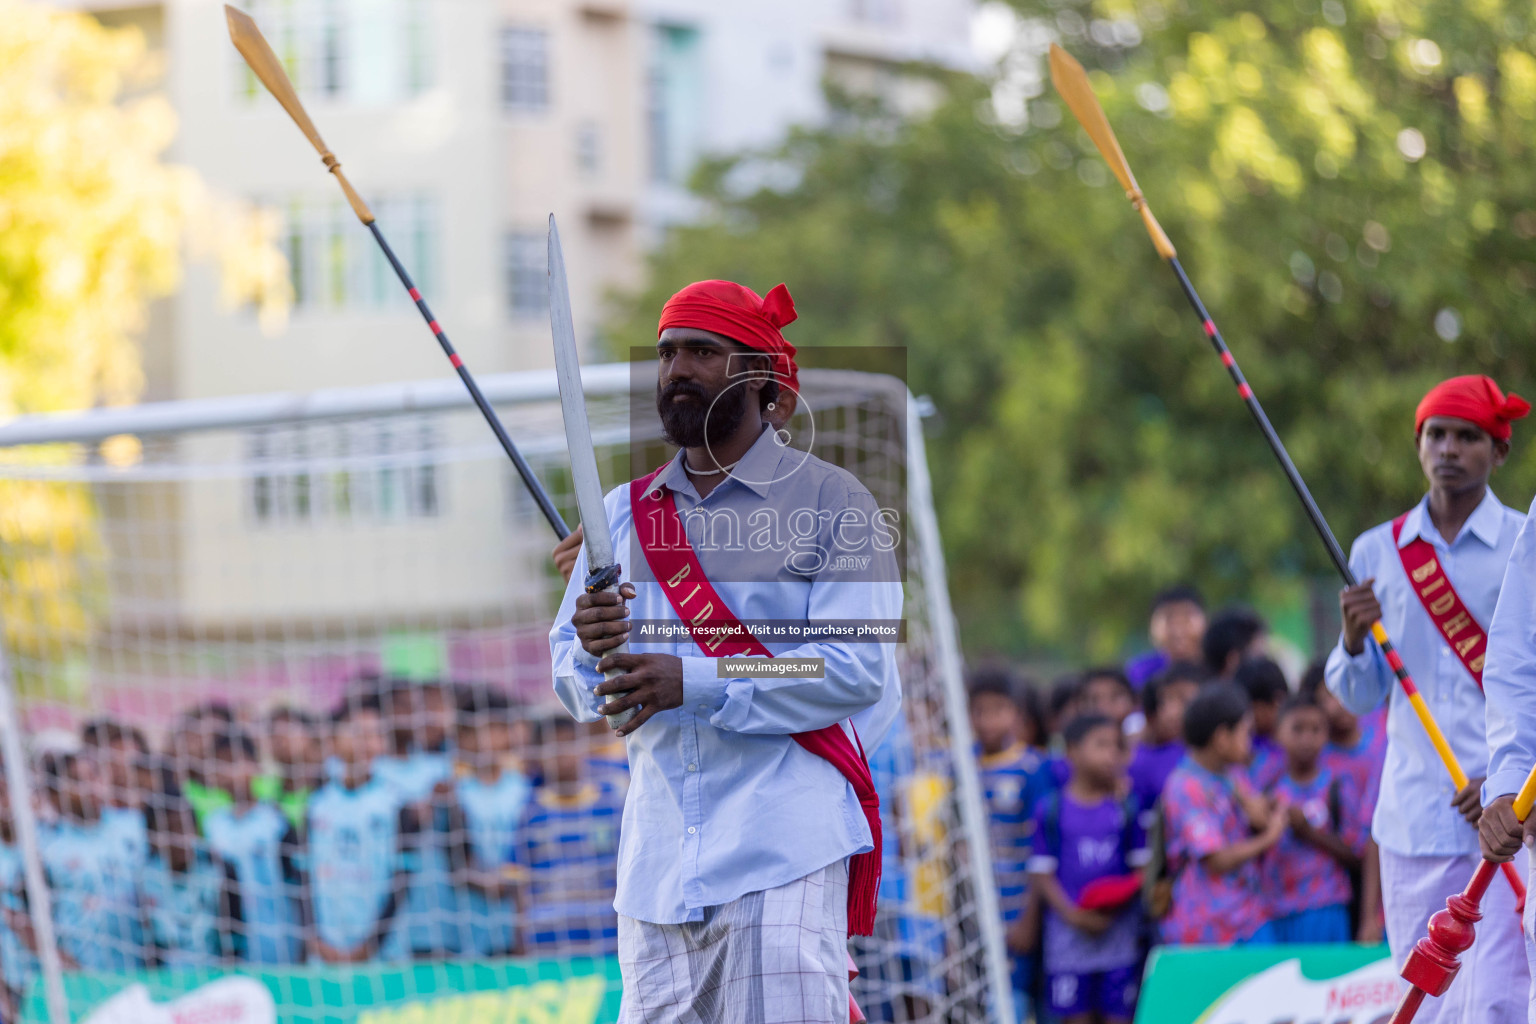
{"points": [[1500, 452], [783, 407]]}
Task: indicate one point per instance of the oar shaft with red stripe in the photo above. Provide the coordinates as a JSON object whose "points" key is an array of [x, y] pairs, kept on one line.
{"points": [[264, 63], [535, 487], [1336, 553]]}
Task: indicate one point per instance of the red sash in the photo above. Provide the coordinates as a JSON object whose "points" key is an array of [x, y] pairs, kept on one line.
{"points": [[1441, 601], [719, 633]]}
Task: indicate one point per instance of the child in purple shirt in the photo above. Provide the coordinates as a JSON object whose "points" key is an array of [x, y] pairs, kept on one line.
{"points": [[1083, 833], [1217, 828], [1163, 700], [1308, 872]]}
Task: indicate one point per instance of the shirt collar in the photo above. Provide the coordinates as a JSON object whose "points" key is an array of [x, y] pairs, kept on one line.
{"points": [[756, 470], [1007, 756], [1485, 523]]}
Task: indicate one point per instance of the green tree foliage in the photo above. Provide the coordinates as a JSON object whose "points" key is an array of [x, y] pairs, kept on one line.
{"points": [[92, 227], [1350, 186]]}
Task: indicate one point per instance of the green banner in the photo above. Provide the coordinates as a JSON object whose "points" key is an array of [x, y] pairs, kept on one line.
{"points": [[580, 991], [1344, 984]]}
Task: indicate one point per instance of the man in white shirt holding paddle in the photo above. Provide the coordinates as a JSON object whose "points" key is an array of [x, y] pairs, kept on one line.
{"points": [[1432, 577], [749, 848]]}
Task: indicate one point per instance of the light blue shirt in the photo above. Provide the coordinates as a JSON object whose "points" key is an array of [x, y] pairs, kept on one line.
{"points": [[94, 878], [18, 964], [354, 855], [1509, 674], [722, 801], [252, 843], [491, 815], [1414, 815]]}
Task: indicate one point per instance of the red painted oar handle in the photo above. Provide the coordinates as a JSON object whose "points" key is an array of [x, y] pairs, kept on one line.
{"points": [[1433, 964], [1436, 958], [1516, 884]]}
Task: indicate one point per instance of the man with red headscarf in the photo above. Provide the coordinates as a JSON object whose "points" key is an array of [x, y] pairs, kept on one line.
{"points": [[750, 844], [1432, 577]]}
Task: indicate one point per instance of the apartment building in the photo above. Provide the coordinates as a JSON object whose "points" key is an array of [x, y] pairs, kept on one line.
{"points": [[463, 123]]}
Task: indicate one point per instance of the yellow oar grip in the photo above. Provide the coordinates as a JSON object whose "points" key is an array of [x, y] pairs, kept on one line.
{"points": [[1526, 797]]}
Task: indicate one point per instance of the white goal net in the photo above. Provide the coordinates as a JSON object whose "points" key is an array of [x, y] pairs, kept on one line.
{"points": [[288, 738]]}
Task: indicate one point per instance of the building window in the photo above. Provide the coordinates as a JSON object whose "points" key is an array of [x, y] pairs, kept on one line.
{"points": [[676, 102], [367, 52], [357, 472], [527, 260], [589, 148], [334, 264], [525, 69]]}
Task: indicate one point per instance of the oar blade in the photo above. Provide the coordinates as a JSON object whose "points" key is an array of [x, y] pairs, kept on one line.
{"points": [[1071, 81], [263, 62]]}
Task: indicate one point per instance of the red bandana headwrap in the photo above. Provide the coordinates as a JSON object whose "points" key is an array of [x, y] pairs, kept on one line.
{"points": [[1476, 399], [724, 307]]}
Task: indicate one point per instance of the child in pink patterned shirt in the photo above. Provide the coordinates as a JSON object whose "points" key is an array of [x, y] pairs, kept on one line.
{"points": [[1217, 828]]}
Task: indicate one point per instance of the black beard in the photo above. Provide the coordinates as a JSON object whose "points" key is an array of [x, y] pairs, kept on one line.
{"points": [[704, 418]]}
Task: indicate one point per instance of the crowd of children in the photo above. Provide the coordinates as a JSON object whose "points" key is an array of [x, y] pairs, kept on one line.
{"points": [[1196, 797], [417, 820]]}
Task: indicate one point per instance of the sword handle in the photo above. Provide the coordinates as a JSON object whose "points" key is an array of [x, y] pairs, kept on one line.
{"points": [[623, 717], [606, 580]]}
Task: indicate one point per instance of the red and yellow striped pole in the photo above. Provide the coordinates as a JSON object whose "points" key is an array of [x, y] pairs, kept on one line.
{"points": [[1071, 82]]}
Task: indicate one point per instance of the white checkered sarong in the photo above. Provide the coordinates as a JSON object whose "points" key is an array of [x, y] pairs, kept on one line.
{"points": [[774, 957]]}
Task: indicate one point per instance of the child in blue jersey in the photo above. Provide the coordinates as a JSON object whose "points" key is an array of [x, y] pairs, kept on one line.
{"points": [[191, 907], [419, 719], [1013, 781], [18, 955], [119, 750], [298, 751], [1308, 873], [260, 848], [190, 747], [1088, 832], [489, 797], [92, 876], [566, 852], [608, 754], [358, 839]]}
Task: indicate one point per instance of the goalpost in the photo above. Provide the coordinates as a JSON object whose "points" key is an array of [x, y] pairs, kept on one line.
{"points": [[179, 571]]}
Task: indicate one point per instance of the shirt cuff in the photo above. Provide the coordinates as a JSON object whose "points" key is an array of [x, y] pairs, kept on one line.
{"points": [[1503, 783], [1362, 662], [703, 691]]}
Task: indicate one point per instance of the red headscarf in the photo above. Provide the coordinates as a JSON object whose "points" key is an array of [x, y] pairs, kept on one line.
{"points": [[1476, 399], [724, 307]]}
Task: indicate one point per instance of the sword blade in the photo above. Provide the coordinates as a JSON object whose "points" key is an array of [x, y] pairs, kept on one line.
{"points": [[573, 407]]}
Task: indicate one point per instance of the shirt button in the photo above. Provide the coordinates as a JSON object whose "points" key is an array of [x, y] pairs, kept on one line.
{"points": [[693, 767], [691, 830]]}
